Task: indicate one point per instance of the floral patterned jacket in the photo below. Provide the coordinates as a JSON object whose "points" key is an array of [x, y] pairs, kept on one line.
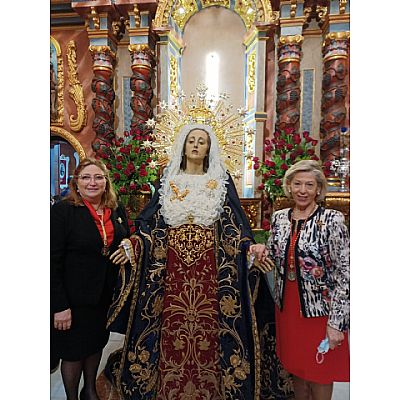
{"points": [[322, 264]]}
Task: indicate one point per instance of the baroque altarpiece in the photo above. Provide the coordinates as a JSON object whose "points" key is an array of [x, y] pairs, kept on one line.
{"points": [[116, 64]]}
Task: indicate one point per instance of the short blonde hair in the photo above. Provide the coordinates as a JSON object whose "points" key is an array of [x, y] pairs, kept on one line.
{"points": [[306, 166], [109, 198]]}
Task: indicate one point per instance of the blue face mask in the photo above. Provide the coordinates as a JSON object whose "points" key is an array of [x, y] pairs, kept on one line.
{"points": [[322, 349]]}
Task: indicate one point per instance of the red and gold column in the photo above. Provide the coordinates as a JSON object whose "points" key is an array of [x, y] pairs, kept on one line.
{"points": [[288, 83], [142, 58], [335, 85], [102, 85]]}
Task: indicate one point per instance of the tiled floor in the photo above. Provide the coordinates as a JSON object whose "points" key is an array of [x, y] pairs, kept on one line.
{"points": [[341, 391]]}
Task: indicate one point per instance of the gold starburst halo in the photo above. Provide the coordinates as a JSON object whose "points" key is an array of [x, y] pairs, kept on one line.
{"points": [[228, 126]]}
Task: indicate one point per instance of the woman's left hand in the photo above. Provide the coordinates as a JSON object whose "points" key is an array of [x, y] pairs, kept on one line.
{"points": [[262, 262], [334, 336], [119, 256]]}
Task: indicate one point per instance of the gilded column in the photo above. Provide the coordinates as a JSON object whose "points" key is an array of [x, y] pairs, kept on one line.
{"points": [[288, 83], [142, 58], [335, 85], [102, 85]]}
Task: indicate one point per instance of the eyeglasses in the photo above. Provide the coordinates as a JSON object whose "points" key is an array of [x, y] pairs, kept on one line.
{"points": [[87, 178]]}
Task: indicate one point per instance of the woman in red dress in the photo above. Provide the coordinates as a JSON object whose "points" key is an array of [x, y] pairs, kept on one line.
{"points": [[310, 247]]}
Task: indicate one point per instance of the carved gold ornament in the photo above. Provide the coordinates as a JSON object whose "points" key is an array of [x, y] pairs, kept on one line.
{"points": [[183, 10], [250, 11], [75, 91], [95, 18], [58, 118], [293, 8], [210, 3], [173, 76], [251, 76], [342, 6], [198, 109], [73, 141]]}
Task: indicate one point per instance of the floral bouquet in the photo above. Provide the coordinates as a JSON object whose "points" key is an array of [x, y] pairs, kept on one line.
{"points": [[131, 160], [282, 151]]}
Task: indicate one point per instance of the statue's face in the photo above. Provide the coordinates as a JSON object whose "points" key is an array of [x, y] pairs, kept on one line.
{"points": [[197, 145]]}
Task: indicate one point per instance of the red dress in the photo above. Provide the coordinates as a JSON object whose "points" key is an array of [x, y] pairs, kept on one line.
{"points": [[297, 339]]}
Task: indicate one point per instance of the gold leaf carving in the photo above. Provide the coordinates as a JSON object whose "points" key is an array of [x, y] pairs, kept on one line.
{"points": [[75, 91]]}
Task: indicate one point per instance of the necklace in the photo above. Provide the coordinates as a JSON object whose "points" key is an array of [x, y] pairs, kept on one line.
{"points": [[105, 251], [294, 235]]}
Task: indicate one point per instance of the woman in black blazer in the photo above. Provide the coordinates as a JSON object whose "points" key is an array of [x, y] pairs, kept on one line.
{"points": [[88, 229]]}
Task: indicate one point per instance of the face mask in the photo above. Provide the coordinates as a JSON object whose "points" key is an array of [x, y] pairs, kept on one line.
{"points": [[322, 349]]}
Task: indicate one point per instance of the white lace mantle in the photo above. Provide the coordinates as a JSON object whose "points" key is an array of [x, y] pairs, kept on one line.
{"points": [[203, 202]]}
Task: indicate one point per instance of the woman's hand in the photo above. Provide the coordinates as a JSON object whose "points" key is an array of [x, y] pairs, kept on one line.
{"points": [[334, 336], [63, 319], [261, 261], [119, 256]]}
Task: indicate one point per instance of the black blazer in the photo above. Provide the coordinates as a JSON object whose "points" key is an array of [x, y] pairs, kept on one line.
{"points": [[79, 274]]}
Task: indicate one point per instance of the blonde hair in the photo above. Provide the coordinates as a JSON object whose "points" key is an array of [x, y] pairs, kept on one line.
{"points": [[306, 166], [108, 199]]}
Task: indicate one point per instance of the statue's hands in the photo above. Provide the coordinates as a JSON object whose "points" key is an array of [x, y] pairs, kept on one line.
{"points": [[119, 256], [261, 260]]}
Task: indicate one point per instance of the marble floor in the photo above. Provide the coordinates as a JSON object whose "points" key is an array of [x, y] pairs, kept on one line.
{"points": [[341, 391]]}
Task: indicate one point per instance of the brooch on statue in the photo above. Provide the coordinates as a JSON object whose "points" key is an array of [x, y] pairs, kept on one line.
{"points": [[178, 195], [212, 184]]}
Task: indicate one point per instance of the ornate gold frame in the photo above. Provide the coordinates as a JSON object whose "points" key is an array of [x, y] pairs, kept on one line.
{"points": [[59, 120], [71, 139]]}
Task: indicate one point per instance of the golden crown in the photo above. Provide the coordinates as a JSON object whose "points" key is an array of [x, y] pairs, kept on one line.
{"points": [[228, 126]]}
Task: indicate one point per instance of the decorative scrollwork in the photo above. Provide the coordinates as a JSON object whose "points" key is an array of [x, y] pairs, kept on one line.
{"points": [[251, 77], [73, 141], [173, 76], [75, 90], [56, 86]]}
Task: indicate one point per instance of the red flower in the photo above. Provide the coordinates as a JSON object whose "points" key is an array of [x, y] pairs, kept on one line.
{"points": [[266, 225], [314, 142], [256, 166], [119, 166], [289, 146], [277, 182], [122, 190], [117, 176], [310, 152], [146, 187], [284, 167], [260, 186], [132, 186], [142, 172], [306, 134], [296, 138], [289, 130]]}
